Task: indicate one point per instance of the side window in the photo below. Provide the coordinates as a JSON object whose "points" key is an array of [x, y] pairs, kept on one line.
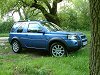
{"points": [[33, 27], [20, 29], [15, 26]]}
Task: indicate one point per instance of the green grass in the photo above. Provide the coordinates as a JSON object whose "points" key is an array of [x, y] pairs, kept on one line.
{"points": [[4, 34], [38, 63]]}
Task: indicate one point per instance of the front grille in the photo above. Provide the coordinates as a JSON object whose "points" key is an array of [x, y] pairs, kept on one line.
{"points": [[82, 36], [84, 39]]}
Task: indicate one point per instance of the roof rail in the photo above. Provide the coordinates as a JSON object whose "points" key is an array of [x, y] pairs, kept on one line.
{"points": [[33, 20], [22, 21]]}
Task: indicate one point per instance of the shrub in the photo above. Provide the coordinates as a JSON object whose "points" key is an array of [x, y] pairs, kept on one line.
{"points": [[6, 26], [71, 20]]}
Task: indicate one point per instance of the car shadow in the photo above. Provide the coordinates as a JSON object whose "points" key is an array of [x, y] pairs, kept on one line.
{"points": [[36, 53]]}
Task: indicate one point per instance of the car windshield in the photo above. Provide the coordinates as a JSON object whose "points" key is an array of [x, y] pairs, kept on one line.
{"points": [[51, 26]]}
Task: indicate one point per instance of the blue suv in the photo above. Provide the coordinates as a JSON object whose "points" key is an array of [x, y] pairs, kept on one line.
{"points": [[45, 35]]}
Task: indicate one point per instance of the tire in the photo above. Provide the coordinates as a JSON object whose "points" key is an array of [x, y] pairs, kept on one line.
{"points": [[16, 47], [58, 50]]}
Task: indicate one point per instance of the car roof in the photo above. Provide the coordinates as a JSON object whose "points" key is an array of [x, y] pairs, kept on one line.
{"points": [[35, 21]]}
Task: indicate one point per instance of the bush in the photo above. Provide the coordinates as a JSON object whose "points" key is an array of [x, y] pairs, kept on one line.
{"points": [[75, 16], [6, 26], [71, 20]]}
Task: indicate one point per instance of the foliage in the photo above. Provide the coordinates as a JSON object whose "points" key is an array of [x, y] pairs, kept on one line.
{"points": [[75, 16], [47, 8], [69, 19], [7, 6], [5, 27]]}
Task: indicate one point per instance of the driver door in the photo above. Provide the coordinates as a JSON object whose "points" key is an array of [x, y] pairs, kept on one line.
{"points": [[35, 37]]}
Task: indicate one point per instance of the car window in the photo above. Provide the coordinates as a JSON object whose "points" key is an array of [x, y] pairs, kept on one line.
{"points": [[20, 29], [34, 27], [51, 26], [15, 26]]}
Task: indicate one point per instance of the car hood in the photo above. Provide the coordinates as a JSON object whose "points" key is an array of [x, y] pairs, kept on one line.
{"points": [[65, 32]]}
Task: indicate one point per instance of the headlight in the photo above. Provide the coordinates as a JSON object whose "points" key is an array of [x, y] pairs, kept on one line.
{"points": [[72, 37]]}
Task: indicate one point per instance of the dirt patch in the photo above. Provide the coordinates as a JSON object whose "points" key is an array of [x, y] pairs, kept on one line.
{"points": [[3, 39]]}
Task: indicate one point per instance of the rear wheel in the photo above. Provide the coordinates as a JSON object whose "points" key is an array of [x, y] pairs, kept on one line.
{"points": [[58, 49], [16, 47]]}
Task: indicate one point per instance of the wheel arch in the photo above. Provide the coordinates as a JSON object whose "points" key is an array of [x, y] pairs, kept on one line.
{"points": [[57, 40], [15, 38]]}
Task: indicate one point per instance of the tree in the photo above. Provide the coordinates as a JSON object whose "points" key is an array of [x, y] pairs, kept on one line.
{"points": [[47, 7], [75, 15], [95, 46], [83, 15], [50, 14]]}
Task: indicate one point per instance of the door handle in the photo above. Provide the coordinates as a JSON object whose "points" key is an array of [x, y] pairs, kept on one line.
{"points": [[26, 35]]}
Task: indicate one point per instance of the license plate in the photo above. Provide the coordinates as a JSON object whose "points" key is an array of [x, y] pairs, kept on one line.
{"points": [[84, 43]]}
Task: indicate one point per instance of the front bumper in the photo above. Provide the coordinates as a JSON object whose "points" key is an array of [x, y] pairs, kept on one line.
{"points": [[75, 44]]}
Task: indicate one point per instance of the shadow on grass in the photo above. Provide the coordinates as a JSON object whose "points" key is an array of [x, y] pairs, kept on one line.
{"points": [[36, 53], [7, 50]]}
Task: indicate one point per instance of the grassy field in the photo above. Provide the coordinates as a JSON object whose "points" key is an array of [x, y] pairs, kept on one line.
{"points": [[31, 62], [4, 34]]}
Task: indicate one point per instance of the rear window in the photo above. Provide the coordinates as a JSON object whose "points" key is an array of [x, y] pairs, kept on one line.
{"points": [[18, 27], [15, 26]]}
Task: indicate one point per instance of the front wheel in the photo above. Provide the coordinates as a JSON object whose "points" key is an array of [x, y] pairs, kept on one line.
{"points": [[57, 49], [16, 47]]}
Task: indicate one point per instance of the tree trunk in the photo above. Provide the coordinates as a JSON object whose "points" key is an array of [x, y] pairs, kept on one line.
{"points": [[95, 46], [25, 14], [19, 12], [51, 15], [52, 18]]}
